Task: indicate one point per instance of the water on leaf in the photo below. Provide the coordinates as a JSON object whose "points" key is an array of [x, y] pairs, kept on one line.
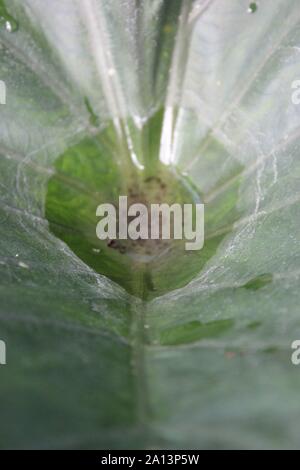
{"points": [[7, 22], [252, 7]]}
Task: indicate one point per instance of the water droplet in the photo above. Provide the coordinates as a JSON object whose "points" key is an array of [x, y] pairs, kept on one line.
{"points": [[111, 72], [23, 265], [252, 7], [7, 22]]}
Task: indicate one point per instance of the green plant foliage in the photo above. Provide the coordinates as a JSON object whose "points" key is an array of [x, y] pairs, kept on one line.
{"points": [[186, 100]]}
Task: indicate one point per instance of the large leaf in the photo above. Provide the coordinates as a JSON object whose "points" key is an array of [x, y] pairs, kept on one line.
{"points": [[182, 350]]}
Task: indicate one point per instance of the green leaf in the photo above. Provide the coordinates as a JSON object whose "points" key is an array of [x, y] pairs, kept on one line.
{"points": [[149, 346]]}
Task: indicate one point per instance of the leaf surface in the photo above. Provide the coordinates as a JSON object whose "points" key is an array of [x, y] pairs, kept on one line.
{"points": [[200, 356]]}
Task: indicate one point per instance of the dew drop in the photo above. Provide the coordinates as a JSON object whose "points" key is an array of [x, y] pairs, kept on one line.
{"points": [[7, 22], [111, 72], [23, 265], [252, 7]]}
